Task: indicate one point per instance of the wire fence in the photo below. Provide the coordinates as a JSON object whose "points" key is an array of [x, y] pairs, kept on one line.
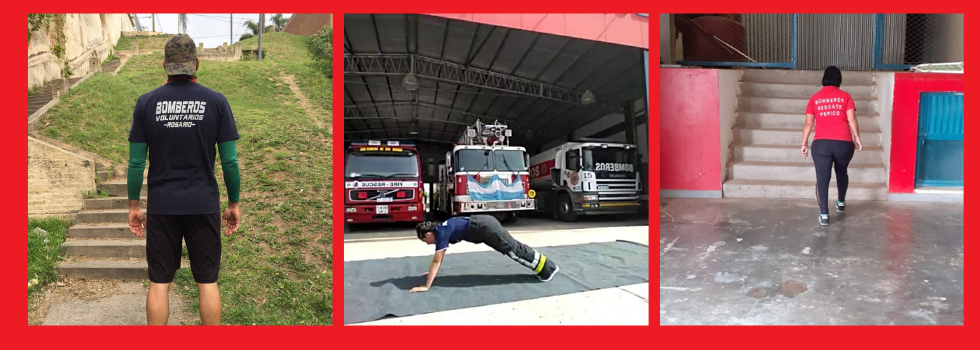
{"points": [[814, 41]]}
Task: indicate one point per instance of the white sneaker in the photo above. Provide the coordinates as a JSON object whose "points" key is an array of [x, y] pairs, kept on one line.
{"points": [[557, 268]]}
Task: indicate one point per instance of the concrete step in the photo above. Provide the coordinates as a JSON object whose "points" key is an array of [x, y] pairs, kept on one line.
{"points": [[792, 106], [856, 191], [103, 176], [791, 154], [804, 77], [792, 171], [776, 90], [111, 216], [105, 249], [868, 123], [791, 137], [111, 203], [106, 270], [119, 189], [114, 231]]}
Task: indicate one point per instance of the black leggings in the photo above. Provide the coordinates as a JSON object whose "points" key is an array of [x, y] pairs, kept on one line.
{"points": [[827, 153]]}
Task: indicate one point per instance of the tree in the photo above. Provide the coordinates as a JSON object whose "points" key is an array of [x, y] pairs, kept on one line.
{"points": [[279, 21], [253, 28]]}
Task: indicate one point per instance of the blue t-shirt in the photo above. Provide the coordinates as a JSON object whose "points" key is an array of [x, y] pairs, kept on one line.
{"points": [[182, 123], [451, 231]]}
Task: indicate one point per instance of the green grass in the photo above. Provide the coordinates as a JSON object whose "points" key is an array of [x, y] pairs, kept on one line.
{"points": [[34, 90], [145, 42], [95, 194], [277, 269], [112, 57], [43, 252]]}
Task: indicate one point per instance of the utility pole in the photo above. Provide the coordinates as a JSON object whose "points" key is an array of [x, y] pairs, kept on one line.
{"points": [[231, 28], [154, 20], [261, 29]]}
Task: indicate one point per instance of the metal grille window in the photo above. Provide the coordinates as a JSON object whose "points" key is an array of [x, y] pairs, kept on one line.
{"points": [[815, 41]]}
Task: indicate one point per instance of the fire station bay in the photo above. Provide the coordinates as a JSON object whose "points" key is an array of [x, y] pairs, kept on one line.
{"points": [[457, 115]]}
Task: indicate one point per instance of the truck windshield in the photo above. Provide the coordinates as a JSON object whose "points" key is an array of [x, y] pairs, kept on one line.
{"points": [[510, 160], [403, 165], [474, 160], [612, 159]]}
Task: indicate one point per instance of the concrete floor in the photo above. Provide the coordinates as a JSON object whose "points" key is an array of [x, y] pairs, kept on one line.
{"points": [[723, 262], [627, 305]]}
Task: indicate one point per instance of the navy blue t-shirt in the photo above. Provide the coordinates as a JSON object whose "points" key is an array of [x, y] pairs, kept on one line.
{"points": [[451, 231], [182, 123]]}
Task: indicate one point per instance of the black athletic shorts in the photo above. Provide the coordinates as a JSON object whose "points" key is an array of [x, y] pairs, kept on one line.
{"points": [[202, 233]]}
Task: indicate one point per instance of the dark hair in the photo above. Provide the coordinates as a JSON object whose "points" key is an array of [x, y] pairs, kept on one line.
{"points": [[424, 228], [832, 77]]}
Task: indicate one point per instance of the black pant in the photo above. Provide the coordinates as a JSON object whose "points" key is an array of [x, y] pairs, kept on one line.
{"points": [[164, 234], [487, 230], [827, 153]]}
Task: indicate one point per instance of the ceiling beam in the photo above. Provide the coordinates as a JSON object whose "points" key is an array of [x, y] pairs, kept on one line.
{"points": [[445, 71], [368, 112]]}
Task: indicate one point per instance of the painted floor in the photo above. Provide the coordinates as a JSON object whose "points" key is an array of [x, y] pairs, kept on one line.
{"points": [[627, 305], [768, 262]]}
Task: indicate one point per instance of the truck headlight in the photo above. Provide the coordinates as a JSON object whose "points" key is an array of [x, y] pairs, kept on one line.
{"points": [[413, 208], [351, 210], [591, 197]]}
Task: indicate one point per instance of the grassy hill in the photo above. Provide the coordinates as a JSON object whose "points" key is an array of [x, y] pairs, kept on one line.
{"points": [[277, 269]]}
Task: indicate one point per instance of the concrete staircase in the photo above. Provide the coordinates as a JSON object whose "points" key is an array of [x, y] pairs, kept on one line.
{"points": [[37, 101], [766, 161], [100, 245]]}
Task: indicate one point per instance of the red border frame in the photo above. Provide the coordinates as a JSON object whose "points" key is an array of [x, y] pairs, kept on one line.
{"points": [[324, 337]]}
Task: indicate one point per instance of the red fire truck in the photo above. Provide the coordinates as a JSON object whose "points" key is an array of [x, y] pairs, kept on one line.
{"points": [[484, 174], [383, 183]]}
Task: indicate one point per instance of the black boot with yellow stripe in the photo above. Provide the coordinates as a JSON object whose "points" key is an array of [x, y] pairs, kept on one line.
{"points": [[547, 269]]}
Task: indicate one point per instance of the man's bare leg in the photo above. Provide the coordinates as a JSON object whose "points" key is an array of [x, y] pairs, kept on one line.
{"points": [[158, 304], [210, 300]]}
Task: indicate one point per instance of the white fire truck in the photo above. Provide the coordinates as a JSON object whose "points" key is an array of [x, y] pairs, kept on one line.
{"points": [[587, 177], [484, 174]]}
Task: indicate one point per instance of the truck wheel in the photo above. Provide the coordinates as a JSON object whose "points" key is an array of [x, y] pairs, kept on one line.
{"points": [[566, 209], [502, 217]]}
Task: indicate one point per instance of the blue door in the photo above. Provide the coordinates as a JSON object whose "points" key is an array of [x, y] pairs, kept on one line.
{"points": [[939, 159]]}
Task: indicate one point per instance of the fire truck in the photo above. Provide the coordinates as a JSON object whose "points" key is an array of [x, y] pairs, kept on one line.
{"points": [[587, 177], [382, 183], [484, 174]]}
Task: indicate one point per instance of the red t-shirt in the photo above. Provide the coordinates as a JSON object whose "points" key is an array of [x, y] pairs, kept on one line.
{"points": [[829, 107]]}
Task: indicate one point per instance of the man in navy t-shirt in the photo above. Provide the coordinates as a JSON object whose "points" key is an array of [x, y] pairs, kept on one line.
{"points": [[480, 229], [181, 124]]}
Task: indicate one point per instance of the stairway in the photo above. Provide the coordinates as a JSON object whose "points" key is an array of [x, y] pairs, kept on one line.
{"points": [[100, 245], [36, 101], [766, 161]]}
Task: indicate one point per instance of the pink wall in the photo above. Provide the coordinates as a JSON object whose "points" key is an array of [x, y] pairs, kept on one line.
{"points": [[618, 28], [905, 122], [689, 130]]}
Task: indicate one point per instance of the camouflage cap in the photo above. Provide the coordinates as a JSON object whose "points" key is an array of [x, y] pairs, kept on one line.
{"points": [[180, 55]]}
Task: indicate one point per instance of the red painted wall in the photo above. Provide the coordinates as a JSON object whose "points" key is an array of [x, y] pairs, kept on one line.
{"points": [[618, 28], [690, 140], [905, 122]]}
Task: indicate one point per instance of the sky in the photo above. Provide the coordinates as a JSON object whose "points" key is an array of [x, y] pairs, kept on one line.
{"points": [[212, 29]]}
